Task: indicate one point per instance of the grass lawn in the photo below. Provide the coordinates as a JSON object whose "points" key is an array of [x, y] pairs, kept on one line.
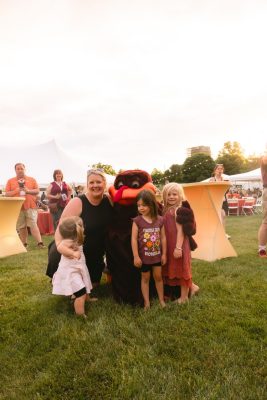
{"points": [[213, 348]]}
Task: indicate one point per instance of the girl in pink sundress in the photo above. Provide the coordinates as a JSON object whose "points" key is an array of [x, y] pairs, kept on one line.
{"points": [[72, 276]]}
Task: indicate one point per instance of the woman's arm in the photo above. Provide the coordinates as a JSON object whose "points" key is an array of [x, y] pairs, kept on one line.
{"points": [[137, 259], [51, 196], [163, 246], [68, 248], [73, 208]]}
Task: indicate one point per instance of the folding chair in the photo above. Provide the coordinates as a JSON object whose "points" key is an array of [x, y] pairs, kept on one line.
{"points": [[257, 208], [233, 207], [248, 206]]}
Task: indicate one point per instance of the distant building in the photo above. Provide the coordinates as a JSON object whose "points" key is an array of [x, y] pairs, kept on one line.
{"points": [[199, 149]]}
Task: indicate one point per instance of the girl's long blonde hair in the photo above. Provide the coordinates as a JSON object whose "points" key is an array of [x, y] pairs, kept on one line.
{"points": [[172, 186], [72, 228]]}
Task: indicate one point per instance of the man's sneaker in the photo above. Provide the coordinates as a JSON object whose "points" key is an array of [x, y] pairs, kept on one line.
{"points": [[41, 245], [262, 253]]}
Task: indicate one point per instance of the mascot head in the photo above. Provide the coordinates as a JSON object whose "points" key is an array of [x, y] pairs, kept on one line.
{"points": [[128, 184]]}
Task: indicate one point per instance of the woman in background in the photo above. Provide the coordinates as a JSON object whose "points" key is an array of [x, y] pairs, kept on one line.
{"points": [[58, 194], [218, 176]]}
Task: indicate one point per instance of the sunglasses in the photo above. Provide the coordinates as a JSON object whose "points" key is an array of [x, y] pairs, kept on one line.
{"points": [[92, 170]]}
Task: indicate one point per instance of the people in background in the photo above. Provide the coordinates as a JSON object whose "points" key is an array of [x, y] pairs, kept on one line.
{"points": [[79, 190], [149, 244], [72, 277], [40, 204], [43, 197], [25, 186], [58, 194], [218, 176], [262, 233]]}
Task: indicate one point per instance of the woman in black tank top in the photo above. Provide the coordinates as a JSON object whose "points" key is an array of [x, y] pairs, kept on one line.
{"points": [[96, 219], [96, 211]]}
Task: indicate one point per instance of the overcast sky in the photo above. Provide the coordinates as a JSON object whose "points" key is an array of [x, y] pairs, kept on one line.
{"points": [[134, 83]]}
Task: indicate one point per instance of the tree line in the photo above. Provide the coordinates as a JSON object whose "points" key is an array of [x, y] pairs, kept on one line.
{"points": [[200, 166]]}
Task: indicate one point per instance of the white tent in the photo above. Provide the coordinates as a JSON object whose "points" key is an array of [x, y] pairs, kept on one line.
{"points": [[40, 162], [251, 178]]}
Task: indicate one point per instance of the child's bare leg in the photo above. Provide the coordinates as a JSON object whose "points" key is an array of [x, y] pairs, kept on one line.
{"points": [[194, 290], [145, 288], [159, 285], [79, 305], [184, 295]]}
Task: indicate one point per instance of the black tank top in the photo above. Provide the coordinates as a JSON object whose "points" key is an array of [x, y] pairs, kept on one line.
{"points": [[96, 220]]}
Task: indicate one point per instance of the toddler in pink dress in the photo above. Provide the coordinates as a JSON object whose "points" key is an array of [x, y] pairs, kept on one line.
{"points": [[72, 277]]}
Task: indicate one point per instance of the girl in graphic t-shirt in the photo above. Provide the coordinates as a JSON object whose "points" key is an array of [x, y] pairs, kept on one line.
{"points": [[149, 244]]}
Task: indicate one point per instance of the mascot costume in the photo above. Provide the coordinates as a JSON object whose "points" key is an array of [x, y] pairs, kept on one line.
{"points": [[125, 277]]}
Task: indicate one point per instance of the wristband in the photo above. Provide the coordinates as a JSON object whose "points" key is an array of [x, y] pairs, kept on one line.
{"points": [[178, 248]]}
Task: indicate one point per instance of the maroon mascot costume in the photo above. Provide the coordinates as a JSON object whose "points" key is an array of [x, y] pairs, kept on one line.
{"points": [[125, 277]]}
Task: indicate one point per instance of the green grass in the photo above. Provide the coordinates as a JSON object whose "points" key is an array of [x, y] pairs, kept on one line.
{"points": [[213, 348]]}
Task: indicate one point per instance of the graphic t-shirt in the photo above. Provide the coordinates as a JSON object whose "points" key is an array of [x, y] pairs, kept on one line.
{"points": [[149, 245]]}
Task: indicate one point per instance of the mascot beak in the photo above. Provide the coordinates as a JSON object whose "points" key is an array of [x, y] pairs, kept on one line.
{"points": [[126, 195], [119, 193]]}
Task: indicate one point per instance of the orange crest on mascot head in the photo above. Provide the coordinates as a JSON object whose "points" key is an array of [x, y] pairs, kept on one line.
{"points": [[128, 184]]}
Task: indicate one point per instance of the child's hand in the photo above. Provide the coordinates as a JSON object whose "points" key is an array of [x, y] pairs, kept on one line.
{"points": [[137, 262], [163, 259], [177, 253], [76, 255]]}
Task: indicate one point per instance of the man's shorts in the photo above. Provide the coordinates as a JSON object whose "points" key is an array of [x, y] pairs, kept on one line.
{"points": [[27, 218]]}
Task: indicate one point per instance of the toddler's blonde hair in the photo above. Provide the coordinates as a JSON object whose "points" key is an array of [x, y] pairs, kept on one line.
{"points": [[169, 187], [72, 228]]}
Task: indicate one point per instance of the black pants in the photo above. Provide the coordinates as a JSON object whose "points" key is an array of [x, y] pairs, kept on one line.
{"points": [[53, 259]]}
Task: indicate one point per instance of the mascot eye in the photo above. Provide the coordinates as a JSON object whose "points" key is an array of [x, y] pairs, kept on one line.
{"points": [[135, 184], [119, 184]]}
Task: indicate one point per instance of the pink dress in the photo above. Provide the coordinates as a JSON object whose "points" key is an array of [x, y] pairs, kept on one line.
{"points": [[177, 271], [71, 276]]}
